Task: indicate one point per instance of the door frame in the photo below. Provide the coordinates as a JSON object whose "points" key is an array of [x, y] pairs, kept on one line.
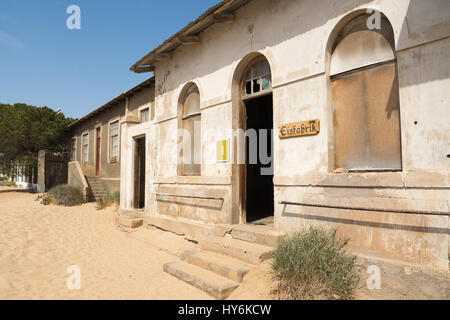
{"points": [[98, 150], [243, 173], [136, 168], [238, 214]]}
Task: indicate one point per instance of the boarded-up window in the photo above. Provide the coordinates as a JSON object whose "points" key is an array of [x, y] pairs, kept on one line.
{"points": [[114, 140], [365, 97], [85, 148], [191, 124]]}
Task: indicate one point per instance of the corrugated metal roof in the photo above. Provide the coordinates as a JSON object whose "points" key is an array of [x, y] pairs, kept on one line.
{"points": [[114, 101], [194, 28]]}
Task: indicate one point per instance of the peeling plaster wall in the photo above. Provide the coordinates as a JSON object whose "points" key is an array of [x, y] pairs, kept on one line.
{"points": [[294, 36], [424, 73]]}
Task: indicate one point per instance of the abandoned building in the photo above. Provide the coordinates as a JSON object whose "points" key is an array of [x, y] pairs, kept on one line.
{"points": [[94, 163], [354, 95]]}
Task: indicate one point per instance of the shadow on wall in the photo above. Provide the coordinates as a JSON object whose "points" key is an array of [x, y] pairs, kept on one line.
{"points": [[321, 216]]}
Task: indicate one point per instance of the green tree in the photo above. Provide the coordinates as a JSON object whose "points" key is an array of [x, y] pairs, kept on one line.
{"points": [[24, 130]]}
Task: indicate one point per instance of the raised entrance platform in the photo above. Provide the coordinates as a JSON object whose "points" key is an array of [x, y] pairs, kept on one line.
{"points": [[225, 253], [261, 233]]}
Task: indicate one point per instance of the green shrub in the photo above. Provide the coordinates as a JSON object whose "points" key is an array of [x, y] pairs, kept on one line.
{"points": [[3, 178], [108, 200], [66, 195], [11, 184], [313, 264]]}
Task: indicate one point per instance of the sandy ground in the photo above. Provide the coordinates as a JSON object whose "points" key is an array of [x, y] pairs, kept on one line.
{"points": [[402, 282], [38, 243]]}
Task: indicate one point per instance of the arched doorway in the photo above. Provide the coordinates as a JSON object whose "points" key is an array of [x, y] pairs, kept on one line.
{"points": [[256, 101]]}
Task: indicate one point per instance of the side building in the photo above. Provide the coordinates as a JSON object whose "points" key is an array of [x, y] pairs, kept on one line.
{"points": [[95, 139]]}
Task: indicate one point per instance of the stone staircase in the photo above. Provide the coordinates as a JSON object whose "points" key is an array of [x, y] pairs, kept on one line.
{"points": [[220, 264], [96, 189]]}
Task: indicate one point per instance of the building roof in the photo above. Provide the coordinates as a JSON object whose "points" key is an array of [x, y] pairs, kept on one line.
{"points": [[221, 12], [115, 101]]}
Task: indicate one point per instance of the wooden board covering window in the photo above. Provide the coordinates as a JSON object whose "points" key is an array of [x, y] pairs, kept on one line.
{"points": [[367, 119]]}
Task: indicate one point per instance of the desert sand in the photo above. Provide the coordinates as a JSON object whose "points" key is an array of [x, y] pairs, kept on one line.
{"points": [[38, 243]]}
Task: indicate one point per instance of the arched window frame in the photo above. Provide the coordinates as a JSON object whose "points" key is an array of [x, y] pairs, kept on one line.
{"points": [[391, 158], [188, 121], [252, 79]]}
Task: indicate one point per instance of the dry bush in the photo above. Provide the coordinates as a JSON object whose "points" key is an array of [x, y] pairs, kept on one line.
{"points": [[313, 264], [64, 195], [109, 200]]}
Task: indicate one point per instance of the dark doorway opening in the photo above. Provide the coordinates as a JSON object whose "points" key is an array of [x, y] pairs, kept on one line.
{"points": [[259, 170], [139, 174]]}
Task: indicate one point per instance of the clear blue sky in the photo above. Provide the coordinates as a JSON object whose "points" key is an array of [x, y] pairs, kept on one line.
{"points": [[43, 63]]}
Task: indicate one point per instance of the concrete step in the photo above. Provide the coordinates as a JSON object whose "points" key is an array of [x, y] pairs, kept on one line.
{"points": [[193, 230], [211, 283], [99, 192], [94, 180], [248, 252], [221, 265], [126, 222], [98, 197], [256, 234], [132, 213], [100, 186]]}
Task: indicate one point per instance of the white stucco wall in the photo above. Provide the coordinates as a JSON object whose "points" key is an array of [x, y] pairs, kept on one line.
{"points": [[294, 36]]}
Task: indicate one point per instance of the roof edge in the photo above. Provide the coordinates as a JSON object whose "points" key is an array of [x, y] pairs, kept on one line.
{"points": [[218, 13], [117, 99]]}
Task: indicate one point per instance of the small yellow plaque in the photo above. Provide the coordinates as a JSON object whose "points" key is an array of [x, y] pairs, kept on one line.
{"points": [[223, 151], [299, 129]]}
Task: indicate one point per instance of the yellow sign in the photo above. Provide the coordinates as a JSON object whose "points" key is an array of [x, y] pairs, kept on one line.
{"points": [[223, 154], [299, 129]]}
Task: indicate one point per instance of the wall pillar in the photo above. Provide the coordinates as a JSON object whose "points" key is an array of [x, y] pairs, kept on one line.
{"points": [[126, 162], [41, 172]]}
